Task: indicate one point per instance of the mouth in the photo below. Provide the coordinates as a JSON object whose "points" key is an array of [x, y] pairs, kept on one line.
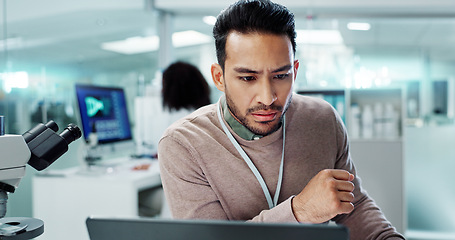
{"points": [[265, 116]]}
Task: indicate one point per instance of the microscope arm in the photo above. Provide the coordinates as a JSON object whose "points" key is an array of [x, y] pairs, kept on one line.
{"points": [[14, 156], [39, 147]]}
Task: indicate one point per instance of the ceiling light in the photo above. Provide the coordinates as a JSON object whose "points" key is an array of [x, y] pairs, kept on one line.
{"points": [[319, 37], [210, 20], [189, 38], [11, 43], [135, 45], [359, 26], [14, 80]]}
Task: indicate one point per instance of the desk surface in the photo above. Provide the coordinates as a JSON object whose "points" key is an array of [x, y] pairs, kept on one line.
{"points": [[144, 173], [63, 199]]}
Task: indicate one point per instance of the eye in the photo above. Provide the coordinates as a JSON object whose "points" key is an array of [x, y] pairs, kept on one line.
{"points": [[282, 76], [247, 78]]}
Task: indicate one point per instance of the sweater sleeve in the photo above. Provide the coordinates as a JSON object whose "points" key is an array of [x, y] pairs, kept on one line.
{"points": [[188, 193], [279, 214], [366, 221]]}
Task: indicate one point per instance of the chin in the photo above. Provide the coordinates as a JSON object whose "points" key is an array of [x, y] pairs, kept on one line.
{"points": [[260, 129]]}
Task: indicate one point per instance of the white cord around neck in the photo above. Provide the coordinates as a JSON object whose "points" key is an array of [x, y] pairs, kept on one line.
{"points": [[251, 165]]}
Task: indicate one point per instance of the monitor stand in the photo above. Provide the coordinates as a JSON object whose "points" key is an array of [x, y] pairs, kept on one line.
{"points": [[96, 170], [106, 158]]}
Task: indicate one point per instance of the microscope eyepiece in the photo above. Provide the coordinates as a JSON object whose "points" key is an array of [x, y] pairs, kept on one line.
{"points": [[46, 145], [52, 125], [71, 133], [39, 129]]}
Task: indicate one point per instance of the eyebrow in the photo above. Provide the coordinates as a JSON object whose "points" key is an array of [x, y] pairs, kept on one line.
{"points": [[247, 70], [283, 68]]}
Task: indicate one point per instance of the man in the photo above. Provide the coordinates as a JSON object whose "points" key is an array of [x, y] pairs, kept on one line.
{"points": [[262, 153]]}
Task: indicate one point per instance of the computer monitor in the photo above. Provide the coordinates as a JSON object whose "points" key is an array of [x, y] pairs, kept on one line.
{"points": [[104, 110], [105, 228]]}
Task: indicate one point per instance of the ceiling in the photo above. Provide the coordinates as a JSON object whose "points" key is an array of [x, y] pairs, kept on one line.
{"points": [[64, 32]]}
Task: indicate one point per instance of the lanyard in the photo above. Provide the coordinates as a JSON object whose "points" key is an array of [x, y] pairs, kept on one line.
{"points": [[253, 168]]}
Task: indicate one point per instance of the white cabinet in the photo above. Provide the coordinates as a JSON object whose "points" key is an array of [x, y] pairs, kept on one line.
{"points": [[380, 165], [378, 155], [386, 111], [367, 113], [64, 199]]}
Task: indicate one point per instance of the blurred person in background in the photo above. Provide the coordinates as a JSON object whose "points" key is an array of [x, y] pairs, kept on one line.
{"points": [[184, 89]]}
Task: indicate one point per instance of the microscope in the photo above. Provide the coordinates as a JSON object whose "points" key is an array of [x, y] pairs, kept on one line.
{"points": [[39, 147]]}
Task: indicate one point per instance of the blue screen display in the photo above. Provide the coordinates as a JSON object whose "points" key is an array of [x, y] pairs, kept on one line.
{"points": [[103, 110]]}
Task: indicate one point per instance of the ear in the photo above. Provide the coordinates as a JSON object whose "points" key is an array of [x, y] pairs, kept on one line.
{"points": [[296, 67], [218, 76]]}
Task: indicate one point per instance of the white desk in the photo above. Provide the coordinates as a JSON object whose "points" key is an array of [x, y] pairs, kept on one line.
{"points": [[64, 199]]}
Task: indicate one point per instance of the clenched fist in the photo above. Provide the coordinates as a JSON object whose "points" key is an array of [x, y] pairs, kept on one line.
{"points": [[328, 194]]}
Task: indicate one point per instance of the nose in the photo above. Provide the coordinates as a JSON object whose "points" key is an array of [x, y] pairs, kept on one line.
{"points": [[266, 93]]}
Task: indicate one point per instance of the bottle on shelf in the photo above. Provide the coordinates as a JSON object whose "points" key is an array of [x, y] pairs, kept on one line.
{"points": [[378, 120], [355, 121], [391, 122], [367, 122]]}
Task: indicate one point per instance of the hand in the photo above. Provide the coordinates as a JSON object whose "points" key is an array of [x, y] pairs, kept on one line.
{"points": [[328, 194]]}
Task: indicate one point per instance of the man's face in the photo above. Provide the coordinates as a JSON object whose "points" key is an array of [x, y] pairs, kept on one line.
{"points": [[258, 78]]}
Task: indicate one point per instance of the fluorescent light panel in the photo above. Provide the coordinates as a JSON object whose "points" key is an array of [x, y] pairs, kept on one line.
{"points": [[319, 37], [14, 80], [189, 38], [135, 45], [358, 26], [210, 20], [11, 43]]}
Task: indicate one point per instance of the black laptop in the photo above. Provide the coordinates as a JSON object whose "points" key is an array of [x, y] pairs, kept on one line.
{"points": [[102, 228]]}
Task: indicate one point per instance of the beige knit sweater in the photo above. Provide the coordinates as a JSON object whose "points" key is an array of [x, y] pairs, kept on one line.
{"points": [[204, 176]]}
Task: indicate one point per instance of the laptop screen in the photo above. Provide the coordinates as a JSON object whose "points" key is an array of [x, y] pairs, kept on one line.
{"points": [[165, 229]]}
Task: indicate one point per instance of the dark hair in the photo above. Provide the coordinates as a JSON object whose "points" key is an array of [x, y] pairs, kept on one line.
{"points": [[184, 87], [244, 16]]}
